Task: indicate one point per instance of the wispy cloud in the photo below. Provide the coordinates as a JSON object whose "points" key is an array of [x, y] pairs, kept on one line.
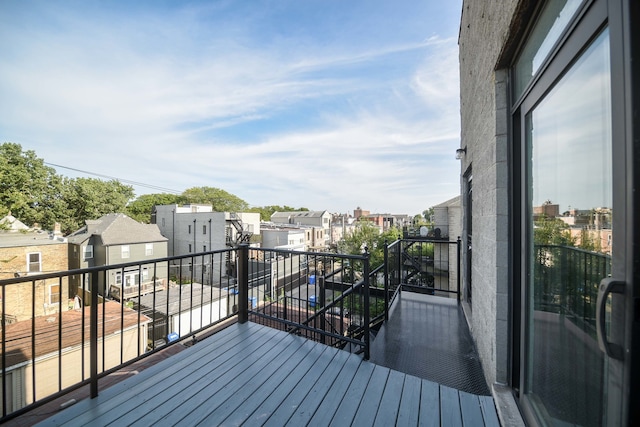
{"points": [[179, 104]]}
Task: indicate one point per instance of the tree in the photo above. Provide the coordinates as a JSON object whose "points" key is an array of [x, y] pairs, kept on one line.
{"points": [[368, 235], [221, 200], [552, 231], [428, 215], [91, 198], [29, 190], [140, 209]]}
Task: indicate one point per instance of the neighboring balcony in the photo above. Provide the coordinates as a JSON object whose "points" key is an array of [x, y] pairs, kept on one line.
{"points": [[295, 345]]}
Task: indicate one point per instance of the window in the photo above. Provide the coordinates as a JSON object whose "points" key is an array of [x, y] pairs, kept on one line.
{"points": [[204, 229], [119, 278], [34, 262], [145, 274], [54, 293], [204, 248], [189, 247], [562, 123], [125, 251], [87, 252], [148, 249], [189, 228]]}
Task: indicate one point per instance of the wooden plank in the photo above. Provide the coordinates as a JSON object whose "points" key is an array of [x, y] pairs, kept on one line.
{"points": [[336, 393], [200, 385], [292, 401], [367, 410], [264, 411], [429, 404], [156, 378], [235, 411], [224, 388], [489, 413], [347, 409], [450, 407], [387, 414], [320, 390], [470, 409], [409, 411]]}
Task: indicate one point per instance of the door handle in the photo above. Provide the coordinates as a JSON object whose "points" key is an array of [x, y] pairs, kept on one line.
{"points": [[607, 286]]}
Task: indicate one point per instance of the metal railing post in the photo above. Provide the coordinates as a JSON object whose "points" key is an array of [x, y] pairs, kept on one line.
{"points": [[458, 272], [386, 281], [243, 282], [367, 308], [93, 335], [399, 266], [321, 304]]}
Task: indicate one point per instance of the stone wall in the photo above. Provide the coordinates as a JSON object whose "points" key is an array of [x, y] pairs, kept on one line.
{"points": [[484, 116], [18, 298]]}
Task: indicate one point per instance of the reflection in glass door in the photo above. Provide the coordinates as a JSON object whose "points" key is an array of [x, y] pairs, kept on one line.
{"points": [[568, 137]]}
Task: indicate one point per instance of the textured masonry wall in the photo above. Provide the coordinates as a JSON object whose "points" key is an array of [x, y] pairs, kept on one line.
{"points": [[18, 298], [483, 107]]}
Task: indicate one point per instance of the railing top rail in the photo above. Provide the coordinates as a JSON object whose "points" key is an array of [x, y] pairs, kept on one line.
{"points": [[574, 249], [316, 254], [62, 273]]}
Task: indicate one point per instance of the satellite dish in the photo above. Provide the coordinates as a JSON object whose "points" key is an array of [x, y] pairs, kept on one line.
{"points": [[424, 231]]}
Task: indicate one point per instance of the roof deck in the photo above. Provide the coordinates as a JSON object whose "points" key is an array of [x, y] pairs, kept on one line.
{"points": [[249, 374]]}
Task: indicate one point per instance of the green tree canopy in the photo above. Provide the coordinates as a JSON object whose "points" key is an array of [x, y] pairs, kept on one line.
{"points": [[29, 190], [90, 198], [366, 234], [140, 209], [221, 200], [552, 231]]}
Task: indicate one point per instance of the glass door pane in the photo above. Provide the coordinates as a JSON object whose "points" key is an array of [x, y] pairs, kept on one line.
{"points": [[568, 136]]}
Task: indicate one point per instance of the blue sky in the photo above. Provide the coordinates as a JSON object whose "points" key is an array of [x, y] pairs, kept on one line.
{"points": [[325, 104]]}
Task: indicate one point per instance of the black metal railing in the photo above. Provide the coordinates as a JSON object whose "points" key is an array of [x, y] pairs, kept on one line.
{"points": [[430, 266], [566, 281], [332, 298], [321, 296], [45, 355]]}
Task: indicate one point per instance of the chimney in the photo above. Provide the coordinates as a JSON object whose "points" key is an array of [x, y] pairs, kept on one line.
{"points": [[56, 229]]}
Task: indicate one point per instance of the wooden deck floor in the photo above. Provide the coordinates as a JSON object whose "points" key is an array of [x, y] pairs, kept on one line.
{"points": [[250, 374]]}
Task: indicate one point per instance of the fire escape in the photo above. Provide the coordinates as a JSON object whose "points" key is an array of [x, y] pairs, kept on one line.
{"points": [[242, 234]]}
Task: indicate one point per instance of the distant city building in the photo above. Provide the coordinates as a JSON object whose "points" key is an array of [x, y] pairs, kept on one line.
{"points": [[383, 220], [318, 236], [278, 236]]}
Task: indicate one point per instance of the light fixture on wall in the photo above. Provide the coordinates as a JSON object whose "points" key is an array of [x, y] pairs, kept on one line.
{"points": [[461, 152]]}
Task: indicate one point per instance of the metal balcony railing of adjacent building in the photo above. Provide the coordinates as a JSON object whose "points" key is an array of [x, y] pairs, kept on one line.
{"points": [[335, 299]]}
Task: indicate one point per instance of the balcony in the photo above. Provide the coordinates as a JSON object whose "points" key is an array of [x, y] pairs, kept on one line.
{"points": [[303, 342]]}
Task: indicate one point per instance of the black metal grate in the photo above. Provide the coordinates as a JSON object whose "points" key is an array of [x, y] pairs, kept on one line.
{"points": [[427, 336]]}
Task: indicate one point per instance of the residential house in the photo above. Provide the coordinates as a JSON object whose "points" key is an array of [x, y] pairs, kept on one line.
{"points": [[318, 236], [117, 239], [196, 228], [549, 96], [120, 330], [387, 221], [25, 252], [275, 236]]}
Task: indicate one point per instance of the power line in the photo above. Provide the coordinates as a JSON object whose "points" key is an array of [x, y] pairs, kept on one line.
{"points": [[126, 181]]}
